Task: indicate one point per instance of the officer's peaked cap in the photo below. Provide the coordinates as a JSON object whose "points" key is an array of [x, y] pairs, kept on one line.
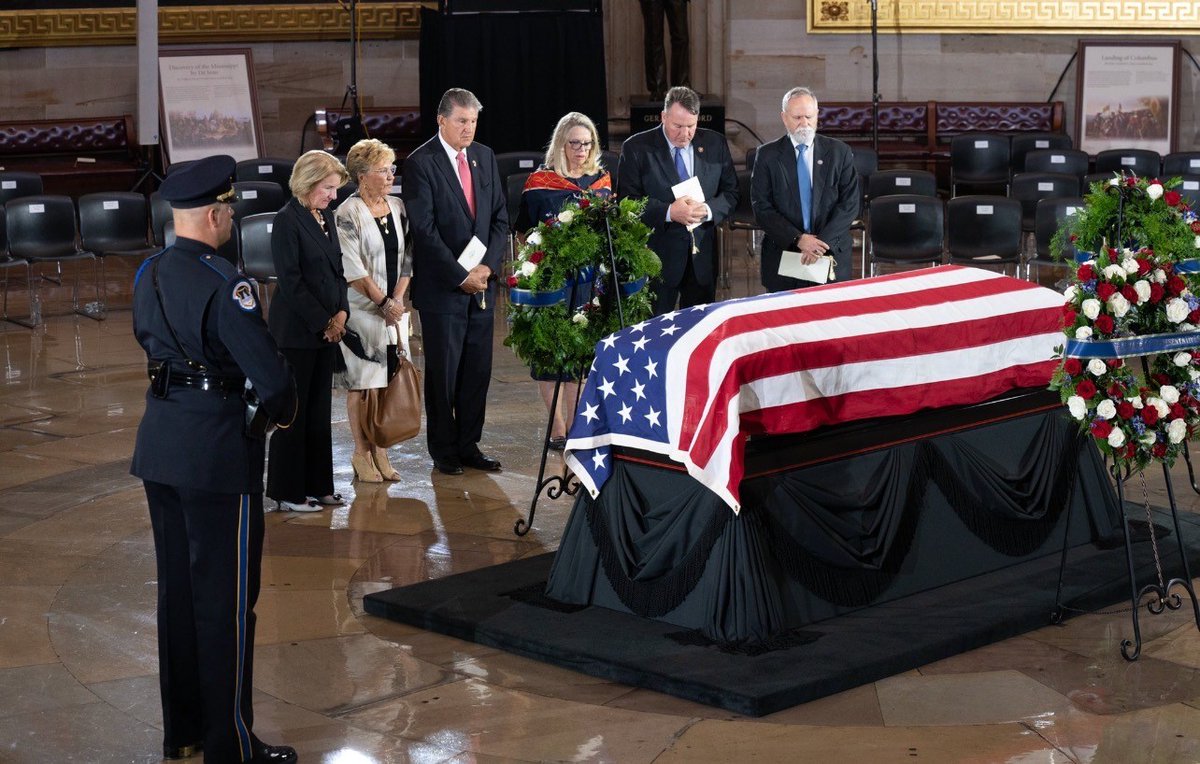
{"points": [[200, 183]]}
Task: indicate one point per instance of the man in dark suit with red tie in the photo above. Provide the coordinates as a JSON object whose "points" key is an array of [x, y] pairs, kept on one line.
{"points": [[459, 222], [655, 160], [805, 194]]}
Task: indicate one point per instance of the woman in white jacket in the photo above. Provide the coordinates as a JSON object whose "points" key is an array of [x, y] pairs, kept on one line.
{"points": [[377, 260]]}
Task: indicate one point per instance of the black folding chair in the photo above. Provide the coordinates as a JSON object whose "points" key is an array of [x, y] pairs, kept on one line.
{"points": [[1068, 161], [41, 229], [1181, 163], [1190, 188], [980, 159], [7, 263], [984, 231], [256, 196], [888, 182], [114, 224], [257, 263], [15, 184], [230, 250], [1143, 163], [1050, 216], [160, 215], [866, 164], [276, 169], [1031, 187], [1020, 144], [905, 229], [514, 162]]}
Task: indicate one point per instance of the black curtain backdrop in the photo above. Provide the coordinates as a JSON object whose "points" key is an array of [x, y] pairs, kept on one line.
{"points": [[527, 68]]}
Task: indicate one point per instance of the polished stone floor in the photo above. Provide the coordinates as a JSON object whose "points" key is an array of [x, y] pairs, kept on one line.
{"points": [[77, 627]]}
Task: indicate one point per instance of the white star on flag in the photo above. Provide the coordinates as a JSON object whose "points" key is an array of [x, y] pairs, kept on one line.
{"points": [[626, 412], [607, 388], [622, 364], [608, 342], [589, 412], [641, 343], [652, 369], [639, 326], [669, 316], [598, 460], [652, 417], [638, 390], [670, 330]]}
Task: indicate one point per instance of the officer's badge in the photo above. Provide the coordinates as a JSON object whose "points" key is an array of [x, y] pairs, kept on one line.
{"points": [[243, 295]]}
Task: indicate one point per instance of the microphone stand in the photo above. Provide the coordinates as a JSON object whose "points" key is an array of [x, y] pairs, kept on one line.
{"points": [[349, 130], [875, 76]]}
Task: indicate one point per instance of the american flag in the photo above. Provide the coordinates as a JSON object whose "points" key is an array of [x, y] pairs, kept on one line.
{"points": [[693, 384]]}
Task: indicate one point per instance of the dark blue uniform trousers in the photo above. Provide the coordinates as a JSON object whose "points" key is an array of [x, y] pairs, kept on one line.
{"points": [[209, 552]]}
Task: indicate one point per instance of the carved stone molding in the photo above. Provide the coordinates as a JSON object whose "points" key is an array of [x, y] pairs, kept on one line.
{"points": [[209, 23], [1123, 17]]}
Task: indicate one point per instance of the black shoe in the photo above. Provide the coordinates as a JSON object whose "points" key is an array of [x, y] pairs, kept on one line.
{"points": [[274, 754], [481, 462], [558, 443], [448, 466], [183, 751]]}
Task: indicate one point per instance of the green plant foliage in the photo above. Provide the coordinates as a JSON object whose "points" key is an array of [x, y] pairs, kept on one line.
{"points": [[1155, 217], [566, 258]]}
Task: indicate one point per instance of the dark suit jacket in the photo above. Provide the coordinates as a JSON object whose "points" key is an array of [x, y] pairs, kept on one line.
{"points": [[441, 223], [775, 196], [647, 170], [311, 285]]}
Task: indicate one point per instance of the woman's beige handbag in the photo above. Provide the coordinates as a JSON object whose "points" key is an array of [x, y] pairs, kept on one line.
{"points": [[392, 414]]}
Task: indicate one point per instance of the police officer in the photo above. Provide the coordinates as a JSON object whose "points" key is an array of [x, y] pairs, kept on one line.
{"points": [[200, 456]]}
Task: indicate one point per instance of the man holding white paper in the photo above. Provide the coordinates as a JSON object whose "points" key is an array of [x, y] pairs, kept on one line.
{"points": [[686, 175], [805, 194], [459, 222]]}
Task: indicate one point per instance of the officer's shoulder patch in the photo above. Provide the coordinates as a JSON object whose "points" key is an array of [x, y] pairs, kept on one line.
{"points": [[243, 295]]}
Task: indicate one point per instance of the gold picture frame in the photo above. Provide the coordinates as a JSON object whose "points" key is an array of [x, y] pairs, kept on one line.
{"points": [[1074, 17], [1127, 95]]}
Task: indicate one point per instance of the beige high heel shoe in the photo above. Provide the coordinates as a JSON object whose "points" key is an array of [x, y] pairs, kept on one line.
{"points": [[386, 470], [364, 468]]}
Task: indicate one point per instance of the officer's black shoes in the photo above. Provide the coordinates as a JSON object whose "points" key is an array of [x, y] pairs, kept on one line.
{"points": [[448, 466], [183, 751], [481, 462], [274, 754]]}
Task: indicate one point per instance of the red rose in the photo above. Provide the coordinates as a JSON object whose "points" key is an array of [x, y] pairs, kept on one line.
{"points": [[1073, 367], [1196, 226], [1130, 450], [1194, 316], [1085, 389], [1159, 450], [536, 257], [1104, 290], [1156, 292], [1069, 316], [1143, 266], [1150, 415], [1114, 363], [1161, 379], [1129, 293], [1104, 323], [1074, 238], [1101, 428], [512, 281], [1085, 272], [584, 204], [1177, 411], [1116, 391], [1125, 410], [1176, 285], [1172, 198]]}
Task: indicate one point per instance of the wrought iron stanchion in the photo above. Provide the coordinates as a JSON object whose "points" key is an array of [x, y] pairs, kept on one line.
{"points": [[565, 481]]}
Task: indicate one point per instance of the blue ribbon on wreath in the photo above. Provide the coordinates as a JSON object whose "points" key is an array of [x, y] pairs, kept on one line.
{"points": [[532, 299], [1126, 347], [1191, 265]]}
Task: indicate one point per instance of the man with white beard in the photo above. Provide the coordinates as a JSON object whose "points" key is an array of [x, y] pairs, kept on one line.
{"points": [[805, 194]]}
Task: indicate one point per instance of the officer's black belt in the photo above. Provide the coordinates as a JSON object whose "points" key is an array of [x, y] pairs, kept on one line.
{"points": [[215, 382]]}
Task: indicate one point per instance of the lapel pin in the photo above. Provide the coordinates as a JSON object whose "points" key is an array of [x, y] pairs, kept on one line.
{"points": [[820, 161], [700, 149], [474, 163]]}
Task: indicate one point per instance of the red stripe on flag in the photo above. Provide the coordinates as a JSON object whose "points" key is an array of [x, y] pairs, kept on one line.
{"points": [[703, 429]]}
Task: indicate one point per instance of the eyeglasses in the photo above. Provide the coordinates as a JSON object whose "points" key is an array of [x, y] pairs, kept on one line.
{"points": [[385, 170], [577, 145]]}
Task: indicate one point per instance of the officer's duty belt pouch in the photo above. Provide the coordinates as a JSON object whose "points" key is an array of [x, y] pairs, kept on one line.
{"points": [[258, 422], [160, 379]]}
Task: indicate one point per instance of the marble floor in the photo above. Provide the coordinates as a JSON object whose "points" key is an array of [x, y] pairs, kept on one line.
{"points": [[77, 627]]}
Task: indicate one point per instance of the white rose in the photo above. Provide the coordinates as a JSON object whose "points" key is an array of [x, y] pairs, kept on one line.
{"points": [[1154, 190], [1142, 288], [1097, 367], [579, 318], [1193, 373], [1083, 333], [1130, 265], [1116, 438], [527, 268], [1077, 406], [1160, 276], [1198, 241], [1161, 406], [1114, 181], [1182, 359], [1136, 401], [1148, 439], [1070, 293], [566, 216], [534, 239], [1176, 430], [1119, 305], [1177, 310], [1169, 393], [1090, 308], [1114, 273], [1106, 409]]}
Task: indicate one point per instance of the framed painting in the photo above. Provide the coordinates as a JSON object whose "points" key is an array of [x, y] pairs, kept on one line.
{"points": [[208, 104], [1127, 95]]}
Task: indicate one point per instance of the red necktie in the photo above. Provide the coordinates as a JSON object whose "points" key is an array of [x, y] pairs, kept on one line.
{"points": [[464, 177]]}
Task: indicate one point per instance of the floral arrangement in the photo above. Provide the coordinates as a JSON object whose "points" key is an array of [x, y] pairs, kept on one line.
{"points": [[561, 301], [1137, 291]]}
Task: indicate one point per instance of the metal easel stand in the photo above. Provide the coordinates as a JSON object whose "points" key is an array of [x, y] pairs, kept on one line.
{"points": [[1157, 595], [565, 481]]}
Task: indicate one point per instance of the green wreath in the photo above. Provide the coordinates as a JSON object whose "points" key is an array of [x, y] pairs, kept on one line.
{"points": [[561, 292]]}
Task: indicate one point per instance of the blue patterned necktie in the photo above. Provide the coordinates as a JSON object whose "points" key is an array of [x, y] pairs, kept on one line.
{"points": [[805, 186], [680, 167]]}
